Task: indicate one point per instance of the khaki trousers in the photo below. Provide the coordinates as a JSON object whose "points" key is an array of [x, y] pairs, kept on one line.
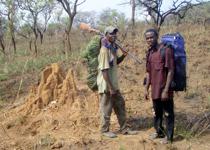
{"points": [[107, 102]]}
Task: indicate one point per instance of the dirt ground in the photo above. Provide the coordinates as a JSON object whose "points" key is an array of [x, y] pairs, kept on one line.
{"points": [[60, 112]]}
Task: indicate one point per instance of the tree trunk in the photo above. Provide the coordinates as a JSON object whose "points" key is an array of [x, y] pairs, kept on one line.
{"points": [[67, 44], [68, 41], [11, 16], [133, 17], [68, 32], [63, 50], [14, 43], [35, 42], [30, 45], [41, 36], [35, 46], [2, 46]]}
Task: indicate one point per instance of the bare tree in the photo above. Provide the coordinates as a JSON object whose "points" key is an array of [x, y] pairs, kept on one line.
{"points": [[2, 36], [133, 5], [179, 8], [10, 10], [33, 9], [26, 32], [70, 6], [42, 27]]}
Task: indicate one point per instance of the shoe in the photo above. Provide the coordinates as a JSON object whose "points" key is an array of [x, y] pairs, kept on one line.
{"points": [[109, 134], [129, 132], [155, 136], [164, 141]]}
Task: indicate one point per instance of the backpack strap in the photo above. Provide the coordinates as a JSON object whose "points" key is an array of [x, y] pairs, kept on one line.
{"points": [[163, 48], [148, 53], [163, 53], [100, 41], [147, 56]]}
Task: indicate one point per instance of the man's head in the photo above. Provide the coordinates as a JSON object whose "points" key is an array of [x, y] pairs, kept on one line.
{"points": [[151, 36], [111, 33]]}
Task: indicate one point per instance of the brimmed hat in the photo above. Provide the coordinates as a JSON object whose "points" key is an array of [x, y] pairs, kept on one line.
{"points": [[110, 29]]}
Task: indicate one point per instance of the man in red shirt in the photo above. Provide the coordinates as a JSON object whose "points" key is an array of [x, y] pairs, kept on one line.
{"points": [[159, 74]]}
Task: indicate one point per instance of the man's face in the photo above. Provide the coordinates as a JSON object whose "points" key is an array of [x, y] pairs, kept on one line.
{"points": [[151, 39], [112, 37]]}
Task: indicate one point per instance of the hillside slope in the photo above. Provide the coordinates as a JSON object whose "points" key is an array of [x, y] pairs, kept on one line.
{"points": [[62, 113]]}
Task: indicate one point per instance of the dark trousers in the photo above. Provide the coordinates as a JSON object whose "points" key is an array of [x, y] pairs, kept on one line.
{"points": [[166, 108]]}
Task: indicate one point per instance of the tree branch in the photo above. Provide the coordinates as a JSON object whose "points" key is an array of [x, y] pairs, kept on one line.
{"points": [[81, 2], [66, 6]]}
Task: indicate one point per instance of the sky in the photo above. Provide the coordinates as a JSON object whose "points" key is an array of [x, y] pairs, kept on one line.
{"points": [[99, 5]]}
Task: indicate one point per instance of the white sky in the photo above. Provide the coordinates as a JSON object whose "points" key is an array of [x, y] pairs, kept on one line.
{"points": [[99, 5]]}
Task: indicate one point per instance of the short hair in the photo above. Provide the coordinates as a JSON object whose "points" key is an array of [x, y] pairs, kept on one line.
{"points": [[151, 30]]}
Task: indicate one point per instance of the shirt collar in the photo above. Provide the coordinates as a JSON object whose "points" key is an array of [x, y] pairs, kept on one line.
{"points": [[105, 42], [154, 48]]}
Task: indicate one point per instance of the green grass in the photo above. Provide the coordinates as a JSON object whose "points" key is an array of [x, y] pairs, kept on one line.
{"points": [[209, 99], [182, 132], [121, 148], [3, 70], [45, 141], [191, 94], [28, 64], [49, 52], [3, 77]]}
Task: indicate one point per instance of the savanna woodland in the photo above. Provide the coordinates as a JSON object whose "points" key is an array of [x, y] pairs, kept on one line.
{"points": [[45, 102]]}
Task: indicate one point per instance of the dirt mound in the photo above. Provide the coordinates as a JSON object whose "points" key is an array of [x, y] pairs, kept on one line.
{"points": [[54, 88], [58, 106]]}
